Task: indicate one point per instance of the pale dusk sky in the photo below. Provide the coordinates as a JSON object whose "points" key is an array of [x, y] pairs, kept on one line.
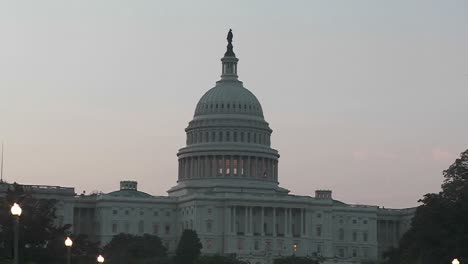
{"points": [[366, 98]]}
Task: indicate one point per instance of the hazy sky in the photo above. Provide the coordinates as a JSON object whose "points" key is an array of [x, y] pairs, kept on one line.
{"points": [[367, 98]]}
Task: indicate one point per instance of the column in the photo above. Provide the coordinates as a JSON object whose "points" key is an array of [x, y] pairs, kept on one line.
{"points": [[262, 219], [223, 166], [247, 167], [290, 221], [246, 219], [231, 172], [235, 219], [179, 172], [274, 221], [302, 222], [285, 210], [215, 164], [228, 210], [276, 170], [251, 220], [239, 167]]}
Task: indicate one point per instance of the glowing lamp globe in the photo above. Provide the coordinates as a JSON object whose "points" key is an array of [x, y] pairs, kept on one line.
{"points": [[455, 261], [16, 210], [100, 259], [68, 242]]}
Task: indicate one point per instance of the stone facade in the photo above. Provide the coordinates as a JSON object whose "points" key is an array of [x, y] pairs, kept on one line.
{"points": [[228, 191]]}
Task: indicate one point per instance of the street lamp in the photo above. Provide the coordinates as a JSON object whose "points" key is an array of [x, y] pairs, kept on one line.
{"points": [[100, 259], [455, 261], [16, 212], [68, 244]]}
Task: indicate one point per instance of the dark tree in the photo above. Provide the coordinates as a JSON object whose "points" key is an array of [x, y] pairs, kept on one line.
{"points": [[217, 259], [295, 260], [189, 248], [130, 249], [41, 240], [439, 229]]}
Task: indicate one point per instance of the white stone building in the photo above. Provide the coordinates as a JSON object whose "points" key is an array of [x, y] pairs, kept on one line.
{"points": [[228, 191]]}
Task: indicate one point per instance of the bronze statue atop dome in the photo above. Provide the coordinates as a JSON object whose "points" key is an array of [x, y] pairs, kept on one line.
{"points": [[229, 36], [229, 52]]}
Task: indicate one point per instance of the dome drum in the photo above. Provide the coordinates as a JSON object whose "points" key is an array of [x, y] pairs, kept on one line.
{"points": [[228, 166]]}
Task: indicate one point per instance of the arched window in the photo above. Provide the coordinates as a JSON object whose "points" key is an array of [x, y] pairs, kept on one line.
{"points": [[220, 136], [235, 136], [341, 234], [242, 137]]}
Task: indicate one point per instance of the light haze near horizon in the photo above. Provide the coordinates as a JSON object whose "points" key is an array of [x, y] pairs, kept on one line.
{"points": [[366, 98]]}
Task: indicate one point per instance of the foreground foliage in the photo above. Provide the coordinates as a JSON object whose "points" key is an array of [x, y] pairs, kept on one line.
{"points": [[189, 248], [295, 260], [130, 249], [41, 241], [217, 259], [439, 229]]}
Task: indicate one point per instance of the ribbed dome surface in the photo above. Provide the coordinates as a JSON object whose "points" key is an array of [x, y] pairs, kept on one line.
{"points": [[229, 98]]}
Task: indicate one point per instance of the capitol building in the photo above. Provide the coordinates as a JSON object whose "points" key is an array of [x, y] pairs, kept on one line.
{"points": [[228, 191]]}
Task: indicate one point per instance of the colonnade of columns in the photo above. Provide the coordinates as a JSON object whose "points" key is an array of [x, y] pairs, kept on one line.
{"points": [[265, 221], [228, 166]]}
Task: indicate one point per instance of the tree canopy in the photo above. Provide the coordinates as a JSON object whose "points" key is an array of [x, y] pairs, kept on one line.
{"points": [[439, 229], [189, 248], [40, 239], [131, 249], [217, 259], [295, 260]]}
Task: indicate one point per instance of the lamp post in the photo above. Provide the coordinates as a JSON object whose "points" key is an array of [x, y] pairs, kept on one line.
{"points": [[100, 259], [455, 261], [68, 244], [16, 212]]}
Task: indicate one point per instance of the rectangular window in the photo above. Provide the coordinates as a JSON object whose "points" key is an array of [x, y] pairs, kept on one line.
{"points": [[364, 237], [341, 252], [208, 226], [234, 167], [228, 167], [240, 244], [235, 136], [127, 227], [319, 231], [242, 137], [114, 228], [220, 167], [167, 229], [354, 236], [114, 211], [155, 229]]}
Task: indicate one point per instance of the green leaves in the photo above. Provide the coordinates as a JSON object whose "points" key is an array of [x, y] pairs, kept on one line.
{"points": [[129, 249], [189, 248], [439, 229]]}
